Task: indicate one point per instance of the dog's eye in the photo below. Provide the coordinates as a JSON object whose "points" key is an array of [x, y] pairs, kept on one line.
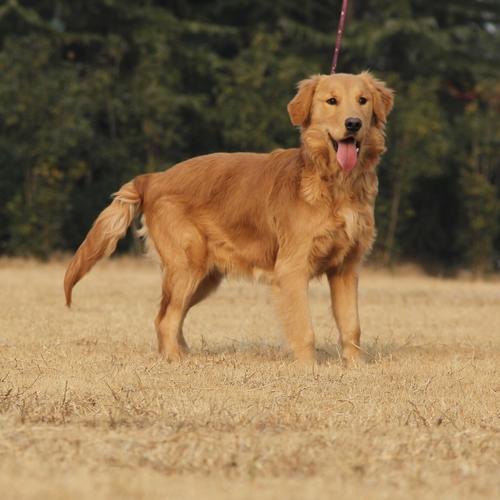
{"points": [[332, 101], [363, 100]]}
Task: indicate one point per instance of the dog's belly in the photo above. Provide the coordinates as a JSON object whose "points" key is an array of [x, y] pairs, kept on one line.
{"points": [[255, 257], [250, 258]]}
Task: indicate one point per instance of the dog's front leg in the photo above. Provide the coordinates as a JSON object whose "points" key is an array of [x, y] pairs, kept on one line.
{"points": [[291, 295], [344, 295]]}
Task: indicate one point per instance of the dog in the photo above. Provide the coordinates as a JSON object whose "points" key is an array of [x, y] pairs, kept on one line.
{"points": [[289, 215]]}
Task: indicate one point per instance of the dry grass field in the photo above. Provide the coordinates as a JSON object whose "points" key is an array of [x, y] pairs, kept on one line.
{"points": [[87, 410]]}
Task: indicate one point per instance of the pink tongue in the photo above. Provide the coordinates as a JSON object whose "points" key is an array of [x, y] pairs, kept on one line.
{"points": [[347, 155]]}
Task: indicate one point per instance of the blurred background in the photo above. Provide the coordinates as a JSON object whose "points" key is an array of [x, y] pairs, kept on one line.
{"points": [[94, 92]]}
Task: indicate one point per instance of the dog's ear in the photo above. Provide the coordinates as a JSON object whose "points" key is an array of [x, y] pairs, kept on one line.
{"points": [[383, 97], [300, 106]]}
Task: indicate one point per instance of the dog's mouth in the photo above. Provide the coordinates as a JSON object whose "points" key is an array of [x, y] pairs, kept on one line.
{"points": [[347, 152]]}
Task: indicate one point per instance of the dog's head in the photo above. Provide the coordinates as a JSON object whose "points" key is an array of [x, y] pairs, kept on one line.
{"points": [[342, 117]]}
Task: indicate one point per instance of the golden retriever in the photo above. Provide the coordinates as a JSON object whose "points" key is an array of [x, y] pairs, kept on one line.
{"points": [[288, 215]]}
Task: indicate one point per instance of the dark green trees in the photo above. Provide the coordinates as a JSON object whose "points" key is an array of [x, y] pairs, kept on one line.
{"points": [[95, 92]]}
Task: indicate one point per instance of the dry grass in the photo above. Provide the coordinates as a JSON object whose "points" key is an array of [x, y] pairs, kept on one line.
{"points": [[87, 410]]}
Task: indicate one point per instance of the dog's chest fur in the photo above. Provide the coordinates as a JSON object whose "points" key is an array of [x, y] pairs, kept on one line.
{"points": [[344, 229]]}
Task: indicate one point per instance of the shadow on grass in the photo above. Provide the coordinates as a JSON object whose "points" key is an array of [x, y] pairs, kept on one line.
{"points": [[329, 354], [377, 352]]}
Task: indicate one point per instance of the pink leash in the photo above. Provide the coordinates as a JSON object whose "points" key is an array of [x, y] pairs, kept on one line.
{"points": [[340, 32]]}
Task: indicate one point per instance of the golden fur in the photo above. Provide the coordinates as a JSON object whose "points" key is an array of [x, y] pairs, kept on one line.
{"points": [[289, 215]]}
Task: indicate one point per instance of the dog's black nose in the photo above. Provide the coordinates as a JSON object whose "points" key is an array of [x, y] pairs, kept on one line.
{"points": [[353, 124]]}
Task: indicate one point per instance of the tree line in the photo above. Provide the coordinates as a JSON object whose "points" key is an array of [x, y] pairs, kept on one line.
{"points": [[94, 92]]}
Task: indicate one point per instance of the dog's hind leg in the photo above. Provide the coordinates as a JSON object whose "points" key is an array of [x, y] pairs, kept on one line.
{"points": [[178, 291], [172, 343], [183, 254]]}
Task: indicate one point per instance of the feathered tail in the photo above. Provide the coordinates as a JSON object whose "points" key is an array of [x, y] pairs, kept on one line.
{"points": [[109, 227]]}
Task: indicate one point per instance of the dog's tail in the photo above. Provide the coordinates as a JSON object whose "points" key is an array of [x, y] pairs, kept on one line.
{"points": [[108, 228]]}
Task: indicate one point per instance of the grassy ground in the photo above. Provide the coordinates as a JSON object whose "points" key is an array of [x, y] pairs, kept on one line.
{"points": [[87, 410]]}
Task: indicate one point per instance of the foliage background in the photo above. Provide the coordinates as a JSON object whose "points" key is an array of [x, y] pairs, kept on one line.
{"points": [[94, 92]]}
